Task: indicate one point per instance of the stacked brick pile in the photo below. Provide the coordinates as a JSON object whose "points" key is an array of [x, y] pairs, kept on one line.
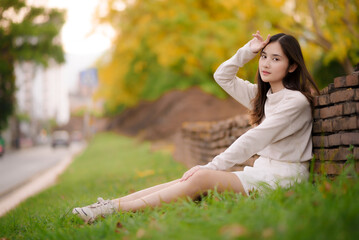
{"points": [[202, 141], [336, 124]]}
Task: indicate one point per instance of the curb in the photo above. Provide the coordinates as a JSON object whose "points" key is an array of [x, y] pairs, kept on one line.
{"points": [[35, 185]]}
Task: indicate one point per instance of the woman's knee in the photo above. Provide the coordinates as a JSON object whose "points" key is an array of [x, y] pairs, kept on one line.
{"points": [[206, 179], [200, 178]]}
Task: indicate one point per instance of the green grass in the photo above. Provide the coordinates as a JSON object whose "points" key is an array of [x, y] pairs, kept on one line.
{"points": [[114, 165]]}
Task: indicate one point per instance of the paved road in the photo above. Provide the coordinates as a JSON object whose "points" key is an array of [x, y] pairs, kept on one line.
{"points": [[17, 168]]}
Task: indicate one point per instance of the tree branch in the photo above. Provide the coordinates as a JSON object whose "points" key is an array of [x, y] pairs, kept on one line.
{"points": [[317, 29], [346, 21], [311, 40]]}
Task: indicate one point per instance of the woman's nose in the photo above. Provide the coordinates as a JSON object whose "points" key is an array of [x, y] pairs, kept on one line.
{"points": [[266, 63]]}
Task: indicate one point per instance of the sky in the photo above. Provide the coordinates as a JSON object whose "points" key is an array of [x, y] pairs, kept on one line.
{"points": [[78, 26]]}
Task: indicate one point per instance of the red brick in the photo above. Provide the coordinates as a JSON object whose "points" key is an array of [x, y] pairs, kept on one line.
{"points": [[324, 90], [331, 88], [350, 123], [327, 126], [352, 80], [316, 114], [332, 111], [317, 126], [222, 142], [339, 82], [319, 154], [334, 140], [316, 141], [356, 97], [356, 153], [315, 101], [349, 138], [343, 95], [218, 135], [350, 108], [320, 141], [323, 100], [238, 132]]}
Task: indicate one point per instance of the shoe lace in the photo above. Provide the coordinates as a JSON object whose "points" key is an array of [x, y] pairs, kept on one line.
{"points": [[104, 206]]}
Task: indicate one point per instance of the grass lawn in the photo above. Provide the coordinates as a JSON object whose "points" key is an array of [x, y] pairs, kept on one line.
{"points": [[114, 165]]}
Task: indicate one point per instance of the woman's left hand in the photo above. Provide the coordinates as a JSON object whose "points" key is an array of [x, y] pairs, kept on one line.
{"points": [[189, 173], [257, 43]]}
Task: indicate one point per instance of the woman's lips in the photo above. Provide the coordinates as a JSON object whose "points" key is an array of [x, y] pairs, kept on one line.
{"points": [[265, 73]]}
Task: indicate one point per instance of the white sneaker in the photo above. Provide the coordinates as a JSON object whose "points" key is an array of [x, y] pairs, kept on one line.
{"points": [[90, 212]]}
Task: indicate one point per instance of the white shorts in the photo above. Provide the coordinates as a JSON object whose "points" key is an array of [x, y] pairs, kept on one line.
{"points": [[272, 173]]}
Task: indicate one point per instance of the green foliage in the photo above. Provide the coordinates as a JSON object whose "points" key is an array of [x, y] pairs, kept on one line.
{"points": [[7, 79], [113, 165], [27, 33], [323, 74], [161, 45], [169, 44], [23, 117]]}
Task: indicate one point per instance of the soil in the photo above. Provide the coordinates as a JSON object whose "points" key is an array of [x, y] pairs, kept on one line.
{"points": [[162, 119]]}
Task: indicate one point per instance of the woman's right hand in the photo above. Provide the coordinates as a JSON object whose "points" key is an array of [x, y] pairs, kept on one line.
{"points": [[257, 43], [189, 173]]}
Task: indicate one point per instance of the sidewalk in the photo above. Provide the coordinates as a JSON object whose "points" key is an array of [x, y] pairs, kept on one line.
{"points": [[37, 184]]}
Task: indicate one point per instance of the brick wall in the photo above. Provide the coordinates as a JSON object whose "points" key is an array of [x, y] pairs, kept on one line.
{"points": [[202, 141], [335, 128], [336, 124]]}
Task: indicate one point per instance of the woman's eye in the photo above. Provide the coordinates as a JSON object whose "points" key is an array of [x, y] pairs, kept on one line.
{"points": [[276, 59], [264, 56]]}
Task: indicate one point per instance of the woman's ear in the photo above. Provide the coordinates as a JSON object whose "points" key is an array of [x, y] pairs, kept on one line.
{"points": [[292, 67]]}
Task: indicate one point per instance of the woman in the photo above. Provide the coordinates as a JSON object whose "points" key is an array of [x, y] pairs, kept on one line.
{"points": [[280, 105]]}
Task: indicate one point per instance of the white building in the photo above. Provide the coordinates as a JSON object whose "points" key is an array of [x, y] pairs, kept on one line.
{"points": [[42, 93], [41, 97]]}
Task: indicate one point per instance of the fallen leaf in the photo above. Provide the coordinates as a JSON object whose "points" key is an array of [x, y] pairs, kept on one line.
{"points": [[268, 233], [289, 193], [145, 173], [119, 225], [140, 233], [233, 230], [327, 186], [154, 224]]}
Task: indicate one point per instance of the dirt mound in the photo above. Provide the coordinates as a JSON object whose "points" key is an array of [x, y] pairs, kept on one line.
{"points": [[161, 119]]}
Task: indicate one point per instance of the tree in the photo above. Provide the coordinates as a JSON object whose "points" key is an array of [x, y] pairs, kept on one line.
{"points": [[162, 44], [332, 26], [27, 33]]}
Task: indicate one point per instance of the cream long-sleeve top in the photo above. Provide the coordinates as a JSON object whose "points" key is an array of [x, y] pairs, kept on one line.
{"points": [[284, 133]]}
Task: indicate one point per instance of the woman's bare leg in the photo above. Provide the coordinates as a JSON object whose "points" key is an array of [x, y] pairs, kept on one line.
{"points": [[145, 192], [199, 183]]}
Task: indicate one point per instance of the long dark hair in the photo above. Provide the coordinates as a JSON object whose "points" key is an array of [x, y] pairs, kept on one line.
{"points": [[299, 80]]}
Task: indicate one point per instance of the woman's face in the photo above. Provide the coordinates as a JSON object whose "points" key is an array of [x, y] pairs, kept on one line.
{"points": [[273, 65]]}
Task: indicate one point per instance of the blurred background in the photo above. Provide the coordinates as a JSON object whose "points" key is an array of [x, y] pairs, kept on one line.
{"points": [[138, 66]]}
